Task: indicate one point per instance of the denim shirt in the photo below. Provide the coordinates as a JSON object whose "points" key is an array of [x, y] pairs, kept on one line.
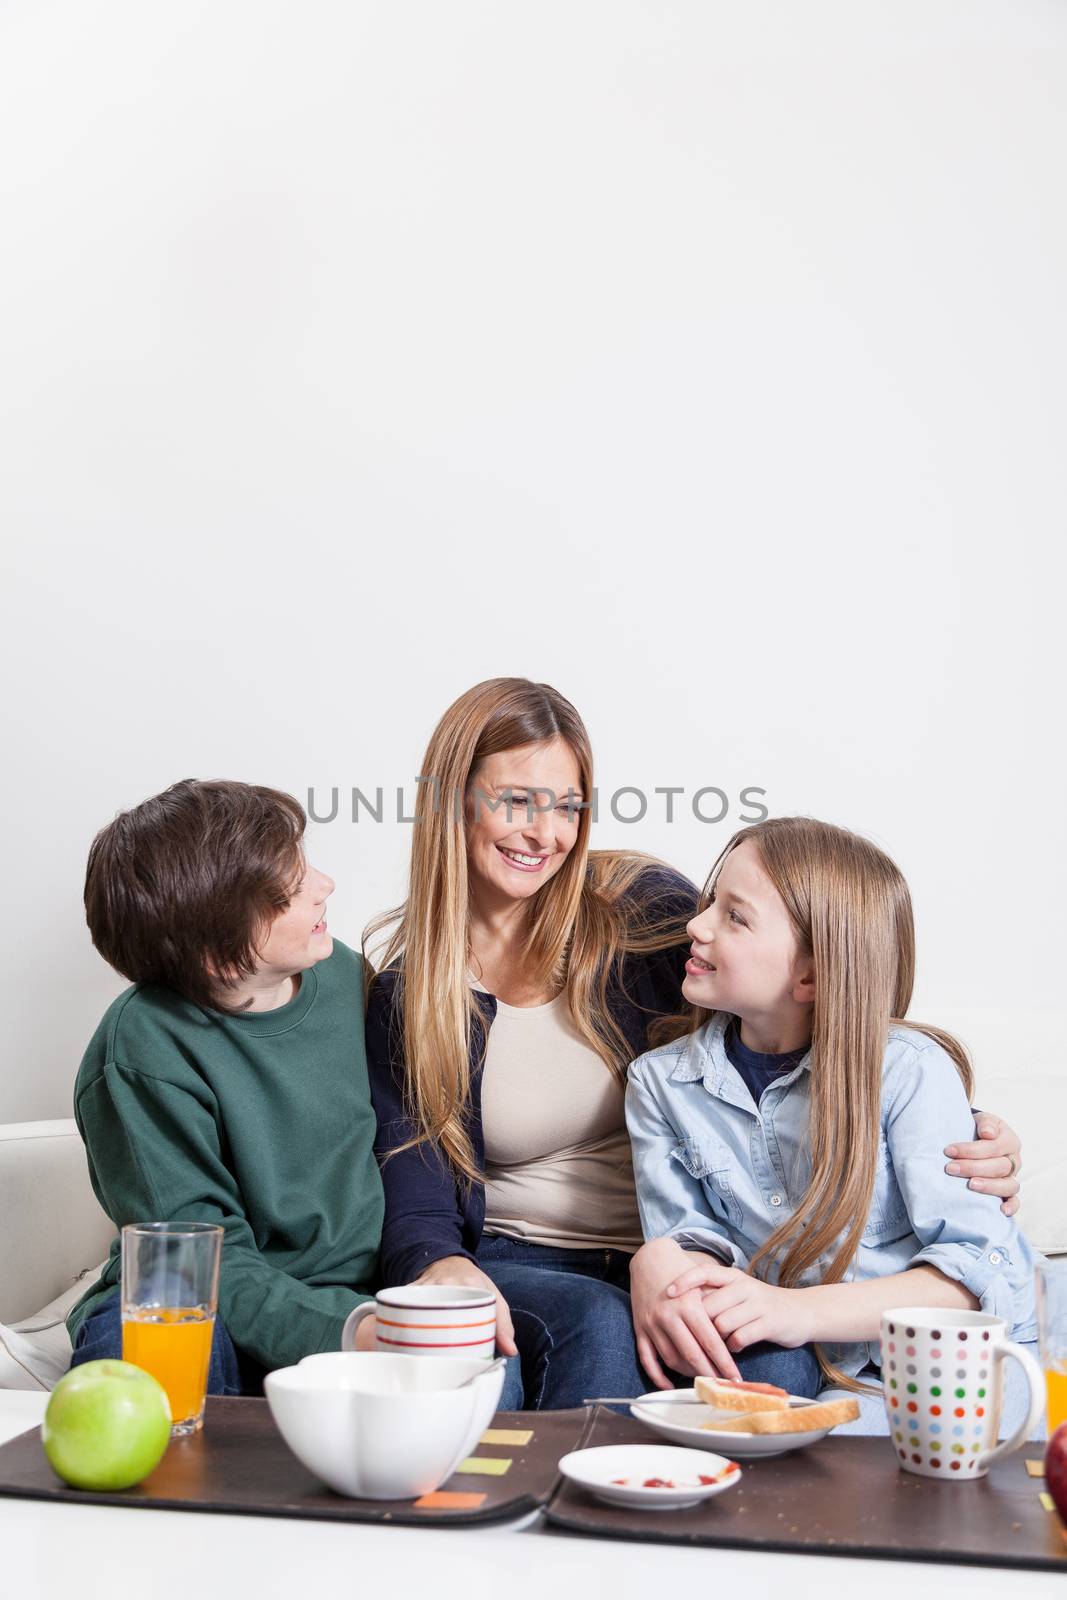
{"points": [[719, 1173]]}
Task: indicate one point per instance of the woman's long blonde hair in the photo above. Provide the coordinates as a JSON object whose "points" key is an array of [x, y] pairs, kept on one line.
{"points": [[851, 913], [577, 926]]}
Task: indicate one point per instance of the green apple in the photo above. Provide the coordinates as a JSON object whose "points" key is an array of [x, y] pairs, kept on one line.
{"points": [[106, 1426]]}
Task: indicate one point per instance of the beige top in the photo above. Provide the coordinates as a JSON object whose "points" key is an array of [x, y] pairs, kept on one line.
{"points": [[558, 1169]]}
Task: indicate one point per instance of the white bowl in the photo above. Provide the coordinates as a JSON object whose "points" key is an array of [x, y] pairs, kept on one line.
{"points": [[599, 1470], [382, 1427], [678, 1414]]}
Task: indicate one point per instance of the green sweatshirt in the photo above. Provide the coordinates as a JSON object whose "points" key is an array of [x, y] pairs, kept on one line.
{"points": [[261, 1122]]}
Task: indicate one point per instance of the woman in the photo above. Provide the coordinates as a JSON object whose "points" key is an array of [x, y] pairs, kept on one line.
{"points": [[523, 973]]}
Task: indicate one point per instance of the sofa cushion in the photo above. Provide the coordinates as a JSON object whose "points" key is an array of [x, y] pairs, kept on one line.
{"points": [[21, 1365], [35, 1353], [53, 1225]]}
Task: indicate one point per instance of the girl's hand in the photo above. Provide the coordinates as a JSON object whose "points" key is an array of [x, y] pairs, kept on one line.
{"points": [[458, 1270], [746, 1310], [991, 1162], [678, 1333]]}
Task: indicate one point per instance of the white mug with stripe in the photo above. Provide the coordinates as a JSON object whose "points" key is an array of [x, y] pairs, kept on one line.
{"points": [[431, 1319]]}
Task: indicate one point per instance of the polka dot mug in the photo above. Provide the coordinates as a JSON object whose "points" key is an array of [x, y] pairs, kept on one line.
{"points": [[943, 1376]]}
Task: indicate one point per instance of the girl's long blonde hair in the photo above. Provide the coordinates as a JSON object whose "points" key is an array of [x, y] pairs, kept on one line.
{"points": [[851, 913], [576, 929]]}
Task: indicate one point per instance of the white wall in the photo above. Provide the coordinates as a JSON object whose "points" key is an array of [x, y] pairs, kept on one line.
{"points": [[704, 359]]}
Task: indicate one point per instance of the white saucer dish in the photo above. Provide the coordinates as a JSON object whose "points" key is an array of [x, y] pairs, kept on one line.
{"points": [[677, 1414], [599, 1470]]}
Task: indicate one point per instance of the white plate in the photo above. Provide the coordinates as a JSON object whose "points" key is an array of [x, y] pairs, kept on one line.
{"points": [[596, 1470], [677, 1414]]}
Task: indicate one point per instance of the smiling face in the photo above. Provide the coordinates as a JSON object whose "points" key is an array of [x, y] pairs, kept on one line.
{"points": [[298, 937], [510, 857], [745, 958]]}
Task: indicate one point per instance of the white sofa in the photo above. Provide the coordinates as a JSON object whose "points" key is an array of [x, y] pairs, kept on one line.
{"points": [[55, 1235], [54, 1240]]}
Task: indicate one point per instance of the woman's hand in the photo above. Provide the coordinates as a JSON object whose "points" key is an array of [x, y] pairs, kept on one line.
{"points": [[367, 1333], [458, 1270], [992, 1161], [677, 1332], [745, 1310]]}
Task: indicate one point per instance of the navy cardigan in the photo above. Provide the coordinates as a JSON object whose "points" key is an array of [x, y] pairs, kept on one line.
{"points": [[428, 1214]]}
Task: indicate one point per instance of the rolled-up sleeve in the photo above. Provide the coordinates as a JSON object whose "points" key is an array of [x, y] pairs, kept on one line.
{"points": [[670, 1199], [963, 1233]]}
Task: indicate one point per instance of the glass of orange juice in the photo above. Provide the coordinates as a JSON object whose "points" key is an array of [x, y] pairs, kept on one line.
{"points": [[1052, 1332], [170, 1287]]}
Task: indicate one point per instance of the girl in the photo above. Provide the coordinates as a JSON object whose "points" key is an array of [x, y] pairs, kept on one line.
{"points": [[788, 1152]]}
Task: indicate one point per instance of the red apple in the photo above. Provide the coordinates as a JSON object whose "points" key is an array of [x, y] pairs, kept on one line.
{"points": [[1056, 1469]]}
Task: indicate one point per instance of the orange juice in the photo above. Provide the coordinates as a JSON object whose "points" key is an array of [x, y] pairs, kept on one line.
{"points": [[1056, 1379], [174, 1345]]}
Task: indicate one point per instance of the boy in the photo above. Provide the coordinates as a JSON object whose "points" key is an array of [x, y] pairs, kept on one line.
{"points": [[229, 1085]]}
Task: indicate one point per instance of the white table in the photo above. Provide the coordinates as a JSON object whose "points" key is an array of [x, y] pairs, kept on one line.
{"points": [[51, 1552]]}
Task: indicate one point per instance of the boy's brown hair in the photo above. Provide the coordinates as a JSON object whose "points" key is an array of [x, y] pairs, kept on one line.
{"points": [[182, 889]]}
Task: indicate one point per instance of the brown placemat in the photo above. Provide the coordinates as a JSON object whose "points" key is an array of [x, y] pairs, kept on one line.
{"points": [[239, 1463], [844, 1496]]}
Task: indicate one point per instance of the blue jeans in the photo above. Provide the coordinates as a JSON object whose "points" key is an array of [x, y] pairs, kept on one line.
{"points": [[231, 1371], [571, 1311]]}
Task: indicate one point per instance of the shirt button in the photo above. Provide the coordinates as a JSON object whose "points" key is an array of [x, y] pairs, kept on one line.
{"points": [[994, 1258], [776, 1199]]}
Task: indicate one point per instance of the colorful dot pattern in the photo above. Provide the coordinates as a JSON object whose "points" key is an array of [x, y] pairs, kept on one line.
{"points": [[924, 1400]]}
